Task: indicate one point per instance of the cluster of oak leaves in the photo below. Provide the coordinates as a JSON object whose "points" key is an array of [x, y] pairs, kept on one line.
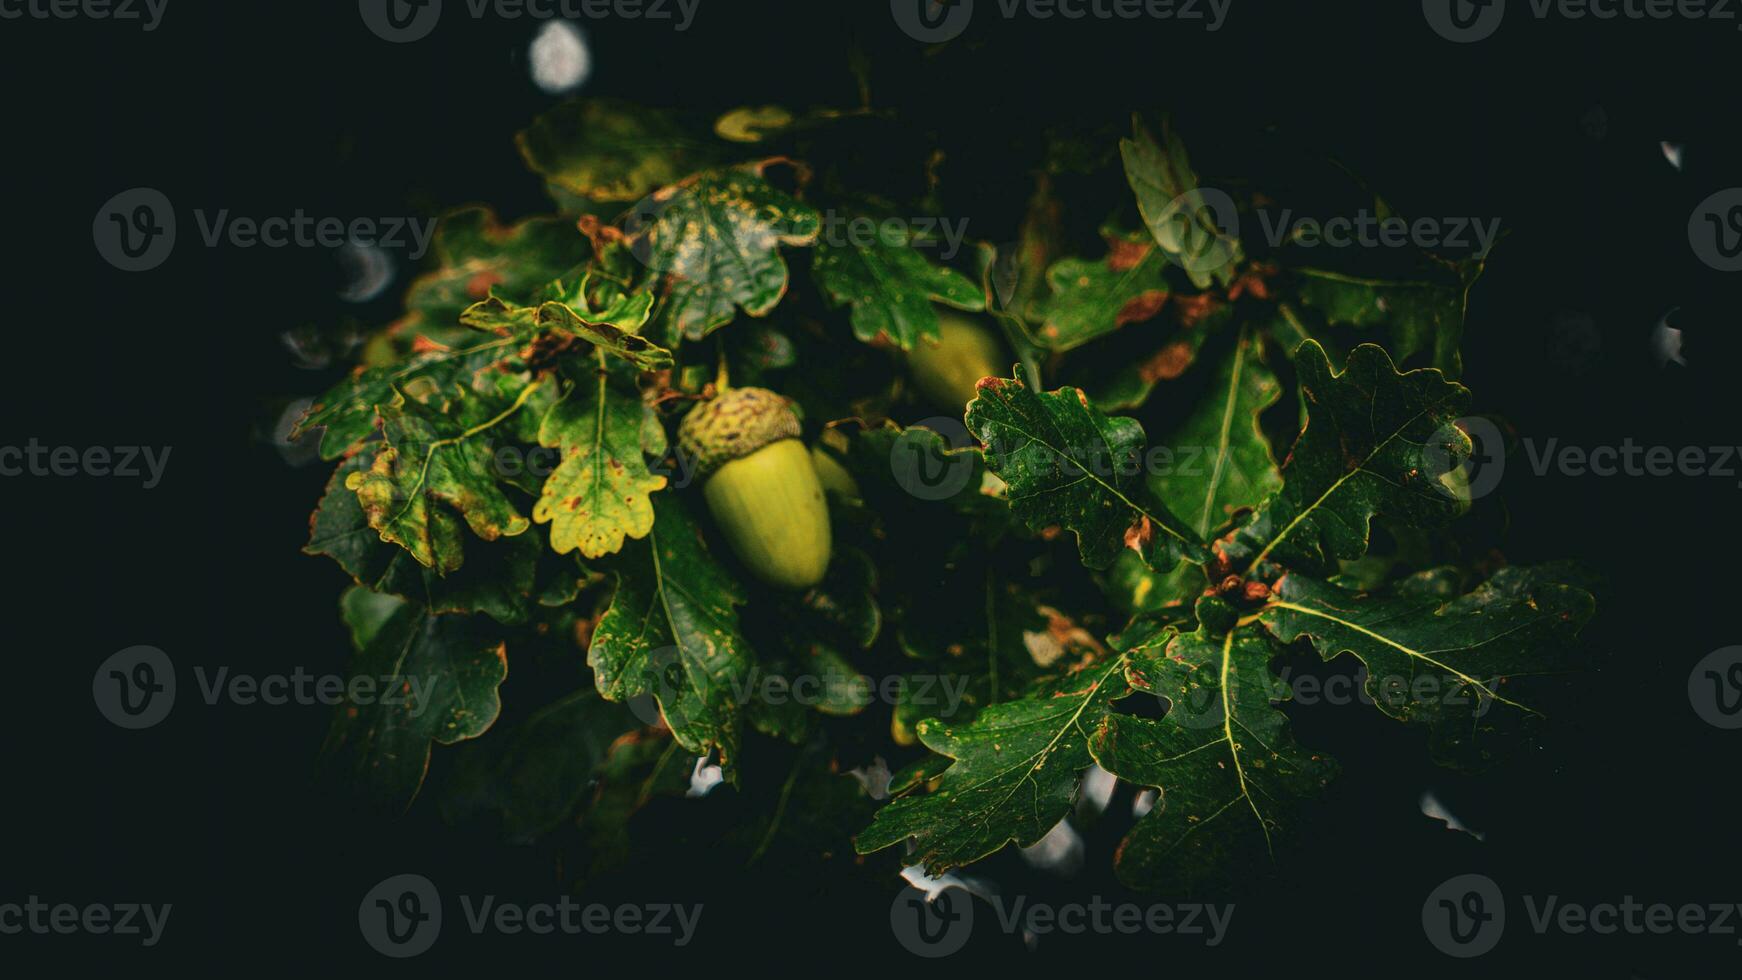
{"points": [[506, 489]]}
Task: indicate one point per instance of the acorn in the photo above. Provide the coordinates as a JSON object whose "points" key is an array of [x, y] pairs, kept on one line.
{"points": [[837, 481], [947, 367], [760, 484]]}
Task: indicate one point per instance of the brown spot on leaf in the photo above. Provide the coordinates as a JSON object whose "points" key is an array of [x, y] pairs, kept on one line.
{"points": [[1139, 536], [599, 233], [1141, 307], [1255, 280], [478, 286], [1191, 310], [1124, 255], [1168, 363]]}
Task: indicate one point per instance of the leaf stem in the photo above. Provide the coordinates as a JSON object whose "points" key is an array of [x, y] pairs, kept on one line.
{"points": [[779, 812]]}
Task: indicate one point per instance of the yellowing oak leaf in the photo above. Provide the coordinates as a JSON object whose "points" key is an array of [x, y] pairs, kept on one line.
{"points": [[601, 491]]}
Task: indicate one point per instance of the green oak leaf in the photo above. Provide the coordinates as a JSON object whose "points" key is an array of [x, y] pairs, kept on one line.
{"points": [[364, 613], [347, 412], [1068, 464], [717, 236], [497, 579], [1094, 297], [672, 634], [423, 678], [1135, 588], [1183, 217], [1450, 664], [891, 286], [610, 330], [535, 776], [1016, 771], [1221, 459], [433, 472], [1418, 319], [1232, 778], [602, 490], [603, 150], [477, 255], [1377, 443]]}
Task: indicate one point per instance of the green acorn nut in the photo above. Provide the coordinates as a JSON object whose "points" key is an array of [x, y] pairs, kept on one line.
{"points": [[837, 481], [947, 369], [760, 484]]}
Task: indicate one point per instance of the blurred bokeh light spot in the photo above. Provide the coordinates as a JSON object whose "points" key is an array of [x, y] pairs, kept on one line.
{"points": [[560, 59]]}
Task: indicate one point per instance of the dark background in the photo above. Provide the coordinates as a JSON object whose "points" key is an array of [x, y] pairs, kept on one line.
{"points": [[263, 108]]}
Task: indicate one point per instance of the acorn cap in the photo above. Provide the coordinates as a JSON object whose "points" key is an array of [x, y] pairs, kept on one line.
{"points": [[732, 426]]}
